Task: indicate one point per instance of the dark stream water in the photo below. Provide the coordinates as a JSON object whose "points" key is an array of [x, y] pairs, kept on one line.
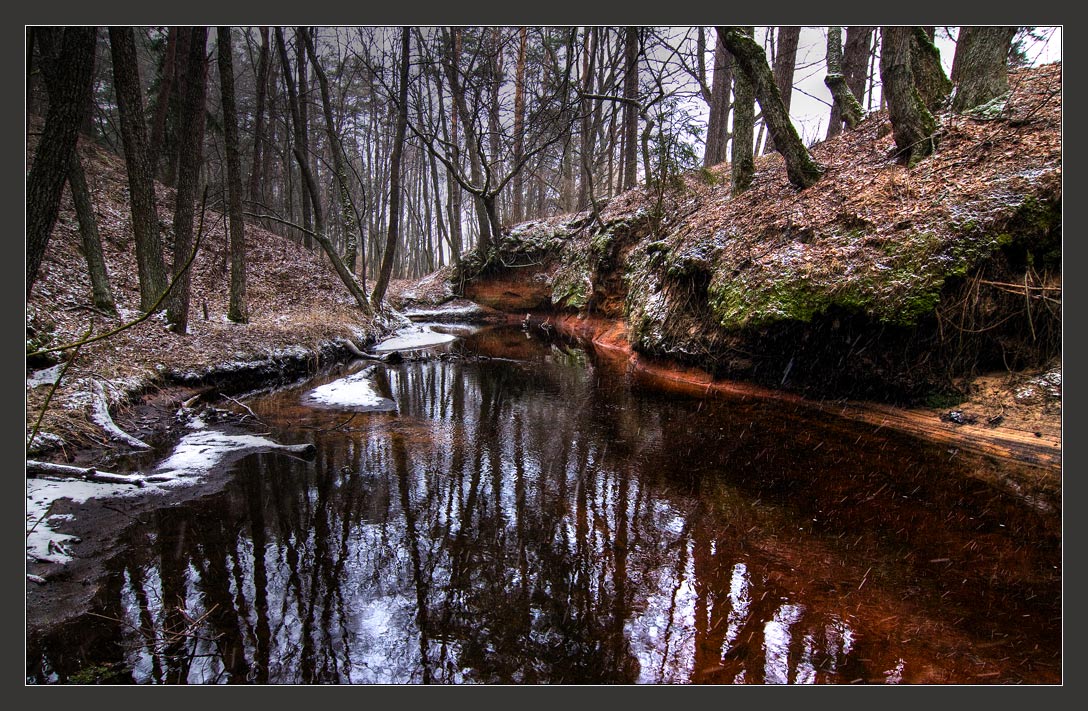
{"points": [[527, 515]]}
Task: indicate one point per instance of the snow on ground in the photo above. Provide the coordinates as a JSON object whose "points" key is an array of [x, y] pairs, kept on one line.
{"points": [[416, 336], [201, 451], [197, 453], [42, 542], [47, 376], [357, 392]]}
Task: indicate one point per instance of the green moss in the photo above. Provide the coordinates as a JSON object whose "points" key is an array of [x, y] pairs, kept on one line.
{"points": [[572, 286], [942, 399]]}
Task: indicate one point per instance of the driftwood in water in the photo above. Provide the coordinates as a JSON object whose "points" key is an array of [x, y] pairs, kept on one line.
{"points": [[302, 450], [36, 468]]}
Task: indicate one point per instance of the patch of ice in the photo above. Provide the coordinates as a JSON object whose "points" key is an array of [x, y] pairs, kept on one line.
{"points": [[413, 338], [47, 376], [356, 392]]}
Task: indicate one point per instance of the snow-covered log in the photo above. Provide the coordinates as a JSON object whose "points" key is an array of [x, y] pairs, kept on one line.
{"points": [[36, 468], [100, 415]]}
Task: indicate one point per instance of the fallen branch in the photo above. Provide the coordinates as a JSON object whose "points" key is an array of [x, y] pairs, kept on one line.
{"points": [[100, 415], [36, 468]]}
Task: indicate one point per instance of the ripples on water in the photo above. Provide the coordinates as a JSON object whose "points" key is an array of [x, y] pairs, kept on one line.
{"points": [[525, 515]]}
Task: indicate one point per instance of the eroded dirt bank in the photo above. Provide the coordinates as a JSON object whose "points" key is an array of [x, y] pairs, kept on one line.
{"points": [[926, 300]]}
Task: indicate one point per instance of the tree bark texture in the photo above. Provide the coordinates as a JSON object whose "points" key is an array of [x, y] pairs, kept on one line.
{"points": [[302, 135], [163, 99], [190, 156], [255, 191], [630, 108], [741, 156], [52, 158], [785, 60], [519, 125], [150, 266], [932, 83], [101, 294], [717, 129], [801, 169], [846, 107], [236, 310], [912, 124], [980, 66]]}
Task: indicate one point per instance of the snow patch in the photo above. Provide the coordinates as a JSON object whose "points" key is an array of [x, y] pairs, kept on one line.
{"points": [[42, 542], [413, 338], [47, 376], [199, 452], [357, 392]]}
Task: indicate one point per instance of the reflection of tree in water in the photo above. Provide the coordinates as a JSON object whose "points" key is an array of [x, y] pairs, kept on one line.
{"points": [[519, 522]]}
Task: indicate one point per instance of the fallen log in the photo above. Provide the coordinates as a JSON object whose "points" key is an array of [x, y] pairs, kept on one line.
{"points": [[36, 468], [100, 415]]}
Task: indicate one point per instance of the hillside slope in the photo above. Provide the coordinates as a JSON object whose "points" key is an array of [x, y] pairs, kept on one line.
{"points": [[877, 282], [300, 312]]}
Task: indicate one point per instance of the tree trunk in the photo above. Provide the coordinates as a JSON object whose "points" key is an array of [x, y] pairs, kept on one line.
{"points": [[741, 155], [630, 108], [52, 158], [846, 107], [980, 65], [802, 170], [302, 132], [236, 310], [912, 124], [256, 194], [394, 175], [717, 129], [347, 204], [162, 102], [190, 156], [784, 61], [471, 139], [101, 295], [854, 68], [150, 266], [932, 83], [170, 137], [519, 125]]}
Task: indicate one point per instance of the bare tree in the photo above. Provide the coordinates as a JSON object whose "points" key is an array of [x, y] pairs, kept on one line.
{"points": [[785, 60], [53, 156], [717, 128], [236, 311], [150, 266], [800, 167], [912, 124], [854, 64], [190, 156], [630, 107], [101, 294], [846, 108], [392, 235], [980, 67]]}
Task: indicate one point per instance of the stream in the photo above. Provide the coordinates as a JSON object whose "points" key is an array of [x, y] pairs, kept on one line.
{"points": [[509, 509]]}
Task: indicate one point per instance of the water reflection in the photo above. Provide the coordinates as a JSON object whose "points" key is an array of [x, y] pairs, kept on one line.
{"points": [[524, 516]]}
